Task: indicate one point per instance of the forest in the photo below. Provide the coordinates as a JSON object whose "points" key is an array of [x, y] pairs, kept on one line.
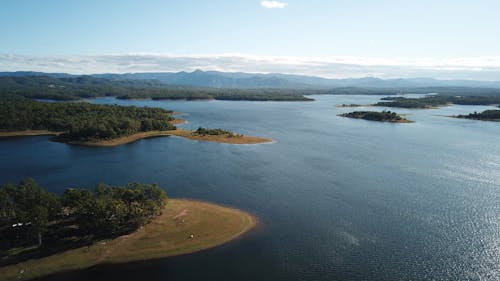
{"points": [[80, 121], [75, 88], [87, 86], [42, 223]]}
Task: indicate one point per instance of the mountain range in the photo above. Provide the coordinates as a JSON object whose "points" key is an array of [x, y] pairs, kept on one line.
{"points": [[217, 79]]}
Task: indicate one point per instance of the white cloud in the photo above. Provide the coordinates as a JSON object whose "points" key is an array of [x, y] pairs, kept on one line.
{"points": [[273, 4], [477, 68]]}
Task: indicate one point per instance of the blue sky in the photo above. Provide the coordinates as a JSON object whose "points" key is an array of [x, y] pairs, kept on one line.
{"points": [[384, 32]]}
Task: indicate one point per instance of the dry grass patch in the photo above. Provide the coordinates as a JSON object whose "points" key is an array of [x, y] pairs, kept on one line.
{"points": [[219, 138], [186, 226]]}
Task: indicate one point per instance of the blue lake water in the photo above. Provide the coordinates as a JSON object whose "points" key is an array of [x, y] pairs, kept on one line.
{"points": [[337, 198]]}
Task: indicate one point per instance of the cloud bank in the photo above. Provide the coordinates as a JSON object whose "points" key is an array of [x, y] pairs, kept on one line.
{"points": [[273, 4], [476, 68]]}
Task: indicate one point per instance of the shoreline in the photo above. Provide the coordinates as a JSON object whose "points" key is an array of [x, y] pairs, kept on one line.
{"points": [[476, 119], [188, 225], [122, 140], [145, 135], [183, 133]]}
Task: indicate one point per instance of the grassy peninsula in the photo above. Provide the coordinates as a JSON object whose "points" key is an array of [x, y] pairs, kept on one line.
{"points": [[487, 115], [384, 116], [135, 222]]}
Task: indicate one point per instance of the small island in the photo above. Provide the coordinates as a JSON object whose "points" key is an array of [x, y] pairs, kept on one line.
{"points": [[101, 125], [487, 115], [353, 105], [384, 116], [218, 135], [111, 224]]}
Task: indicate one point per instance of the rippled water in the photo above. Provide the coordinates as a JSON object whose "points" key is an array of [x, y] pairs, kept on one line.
{"points": [[338, 198]]}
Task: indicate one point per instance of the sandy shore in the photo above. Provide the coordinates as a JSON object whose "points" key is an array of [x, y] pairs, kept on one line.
{"points": [[178, 121], [29, 133], [168, 235], [179, 133], [124, 140], [219, 138], [151, 134]]}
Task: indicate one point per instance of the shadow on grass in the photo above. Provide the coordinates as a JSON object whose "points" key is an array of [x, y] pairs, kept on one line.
{"points": [[60, 238]]}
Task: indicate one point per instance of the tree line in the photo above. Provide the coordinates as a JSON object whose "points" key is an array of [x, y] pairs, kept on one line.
{"points": [[75, 88], [28, 213], [81, 121]]}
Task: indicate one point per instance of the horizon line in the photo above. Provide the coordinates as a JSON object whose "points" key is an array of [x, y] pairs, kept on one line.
{"points": [[485, 68]]}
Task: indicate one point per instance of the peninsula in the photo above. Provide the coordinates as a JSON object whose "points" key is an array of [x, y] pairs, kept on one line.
{"points": [[384, 116], [487, 115], [101, 125], [119, 235]]}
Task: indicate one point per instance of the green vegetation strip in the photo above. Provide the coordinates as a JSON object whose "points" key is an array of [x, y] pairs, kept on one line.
{"points": [[184, 227], [75, 88]]}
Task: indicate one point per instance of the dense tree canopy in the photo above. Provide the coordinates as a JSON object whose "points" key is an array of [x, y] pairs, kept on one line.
{"points": [[81, 121], [27, 211], [74, 88], [384, 116]]}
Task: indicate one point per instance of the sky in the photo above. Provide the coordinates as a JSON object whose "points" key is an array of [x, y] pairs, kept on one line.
{"points": [[329, 38]]}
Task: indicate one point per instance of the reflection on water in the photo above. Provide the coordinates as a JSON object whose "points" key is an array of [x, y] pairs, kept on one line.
{"points": [[338, 198]]}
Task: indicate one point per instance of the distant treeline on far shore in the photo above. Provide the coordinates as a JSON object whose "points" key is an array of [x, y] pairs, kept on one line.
{"points": [[86, 86]]}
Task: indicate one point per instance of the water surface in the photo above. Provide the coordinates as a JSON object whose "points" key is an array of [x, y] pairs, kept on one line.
{"points": [[338, 198]]}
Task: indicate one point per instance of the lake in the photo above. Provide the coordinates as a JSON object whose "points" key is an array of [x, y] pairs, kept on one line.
{"points": [[337, 198]]}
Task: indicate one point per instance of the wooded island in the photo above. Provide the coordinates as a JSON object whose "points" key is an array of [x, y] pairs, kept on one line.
{"points": [[384, 116]]}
